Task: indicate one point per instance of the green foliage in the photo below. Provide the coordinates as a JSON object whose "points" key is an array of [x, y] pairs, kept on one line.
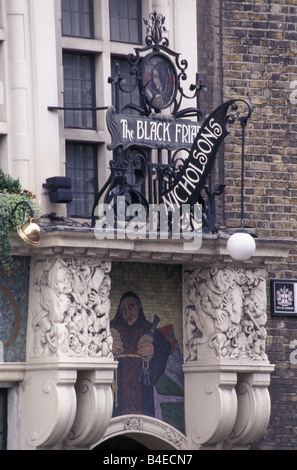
{"points": [[11, 193], [7, 183]]}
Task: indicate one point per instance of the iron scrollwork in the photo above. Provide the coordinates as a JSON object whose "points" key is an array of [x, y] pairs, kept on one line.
{"points": [[154, 140]]}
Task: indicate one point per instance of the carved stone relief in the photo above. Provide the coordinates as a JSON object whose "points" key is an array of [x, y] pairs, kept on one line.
{"points": [[225, 314], [69, 309], [146, 425]]}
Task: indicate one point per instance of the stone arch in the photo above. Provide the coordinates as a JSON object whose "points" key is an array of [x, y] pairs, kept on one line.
{"points": [[150, 432]]}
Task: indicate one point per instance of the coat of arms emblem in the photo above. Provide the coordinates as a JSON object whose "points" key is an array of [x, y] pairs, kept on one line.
{"points": [[284, 297]]}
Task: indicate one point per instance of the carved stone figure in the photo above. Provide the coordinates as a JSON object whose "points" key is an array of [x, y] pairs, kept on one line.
{"points": [[225, 311], [70, 308]]}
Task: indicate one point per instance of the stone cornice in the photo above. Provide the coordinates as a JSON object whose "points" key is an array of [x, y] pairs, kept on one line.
{"points": [[11, 372], [76, 241]]}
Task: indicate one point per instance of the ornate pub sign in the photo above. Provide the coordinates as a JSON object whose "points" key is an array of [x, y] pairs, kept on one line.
{"points": [[163, 153]]}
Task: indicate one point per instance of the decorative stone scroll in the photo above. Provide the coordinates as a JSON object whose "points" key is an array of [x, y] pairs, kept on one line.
{"points": [[69, 309], [225, 314]]}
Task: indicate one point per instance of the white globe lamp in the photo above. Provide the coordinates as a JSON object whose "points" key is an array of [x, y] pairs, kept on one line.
{"points": [[241, 246]]}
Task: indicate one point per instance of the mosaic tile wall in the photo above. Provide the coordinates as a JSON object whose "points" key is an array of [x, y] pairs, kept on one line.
{"points": [[14, 293], [159, 288]]}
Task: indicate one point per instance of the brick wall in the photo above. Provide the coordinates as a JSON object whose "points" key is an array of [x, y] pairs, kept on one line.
{"points": [[259, 57], [209, 66], [260, 64], [209, 53]]}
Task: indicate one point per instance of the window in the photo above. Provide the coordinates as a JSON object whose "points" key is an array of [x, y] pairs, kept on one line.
{"points": [[78, 18], [129, 97], [79, 90], [81, 167], [125, 21]]}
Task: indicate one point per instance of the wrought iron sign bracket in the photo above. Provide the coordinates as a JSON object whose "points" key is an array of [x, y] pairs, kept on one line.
{"points": [[163, 152], [80, 108]]}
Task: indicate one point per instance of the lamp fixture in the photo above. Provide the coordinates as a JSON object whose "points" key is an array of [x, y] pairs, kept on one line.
{"points": [[241, 245], [30, 232]]}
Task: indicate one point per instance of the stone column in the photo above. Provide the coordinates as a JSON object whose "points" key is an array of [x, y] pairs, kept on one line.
{"points": [[66, 395], [20, 89], [227, 372]]}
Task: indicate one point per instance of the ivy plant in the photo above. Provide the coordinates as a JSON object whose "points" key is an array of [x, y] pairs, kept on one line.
{"points": [[11, 193]]}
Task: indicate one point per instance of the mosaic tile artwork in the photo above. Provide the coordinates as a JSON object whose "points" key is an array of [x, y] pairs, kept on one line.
{"points": [[14, 292], [146, 325]]}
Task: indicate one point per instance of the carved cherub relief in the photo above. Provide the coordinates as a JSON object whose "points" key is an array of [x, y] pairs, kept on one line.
{"points": [[70, 308], [225, 311]]}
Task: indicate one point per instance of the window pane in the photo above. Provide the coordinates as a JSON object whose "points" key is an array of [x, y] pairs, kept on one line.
{"points": [[81, 167], [123, 8], [114, 8], [115, 29], [78, 18], [66, 24], [124, 30], [133, 30], [79, 90], [133, 9], [125, 20], [130, 96]]}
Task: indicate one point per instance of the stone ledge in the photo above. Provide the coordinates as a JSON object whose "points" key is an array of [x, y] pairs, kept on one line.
{"points": [[235, 366], [11, 373], [81, 241]]}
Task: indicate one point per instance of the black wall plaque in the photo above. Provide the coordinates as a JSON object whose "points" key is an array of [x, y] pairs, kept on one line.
{"points": [[284, 297]]}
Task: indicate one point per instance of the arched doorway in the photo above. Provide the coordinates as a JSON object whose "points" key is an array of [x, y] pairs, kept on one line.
{"points": [[139, 432], [118, 443], [133, 441]]}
